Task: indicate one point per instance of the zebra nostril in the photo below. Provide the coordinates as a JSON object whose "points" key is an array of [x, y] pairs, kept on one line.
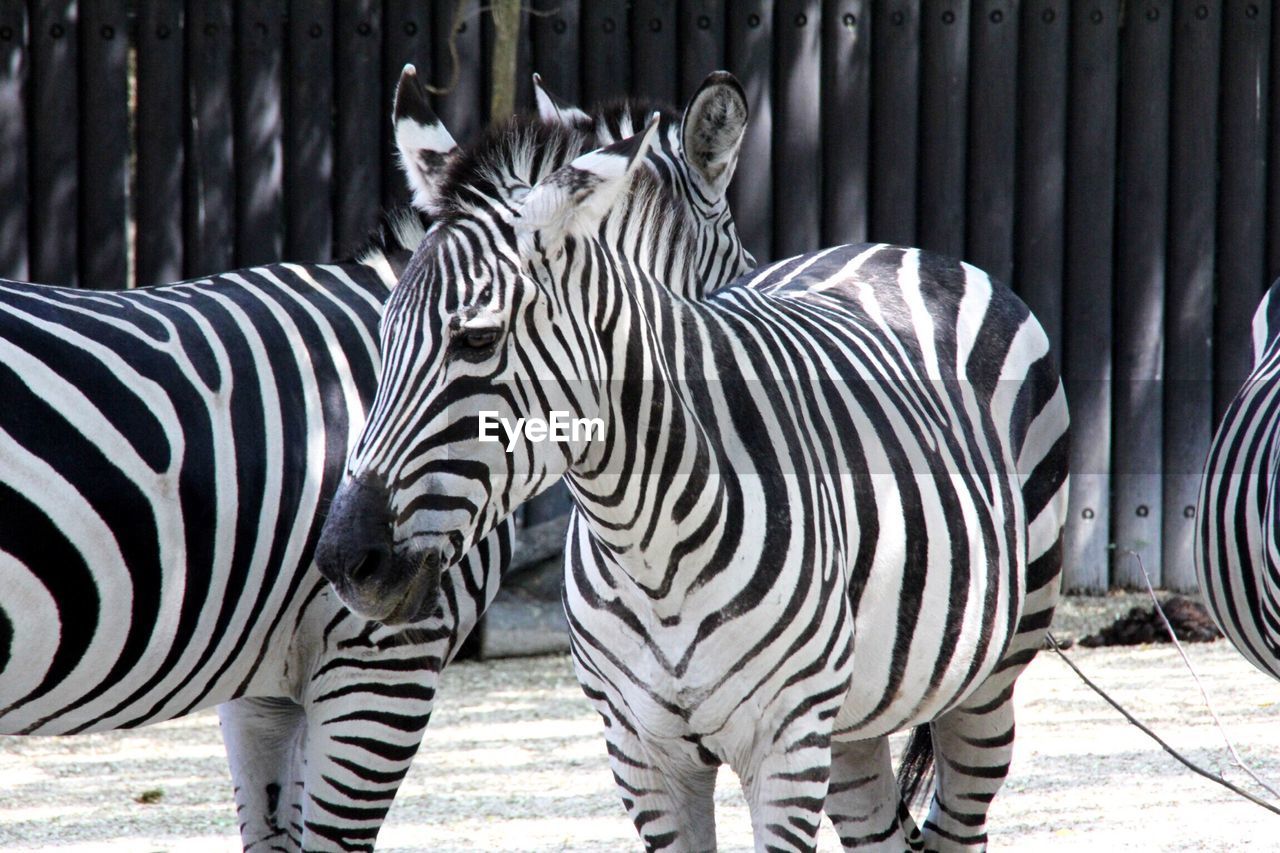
{"points": [[366, 567]]}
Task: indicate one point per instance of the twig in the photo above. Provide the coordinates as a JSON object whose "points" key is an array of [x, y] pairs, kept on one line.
{"points": [[1204, 694], [1213, 777], [460, 16]]}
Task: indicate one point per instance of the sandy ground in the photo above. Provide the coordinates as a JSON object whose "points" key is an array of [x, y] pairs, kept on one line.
{"points": [[514, 761]]}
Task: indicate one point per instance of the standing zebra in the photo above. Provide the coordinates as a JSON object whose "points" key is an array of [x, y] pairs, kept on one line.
{"points": [[828, 503], [1238, 534], [166, 458]]}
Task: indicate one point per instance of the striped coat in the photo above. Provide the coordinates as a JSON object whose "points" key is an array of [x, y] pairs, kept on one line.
{"points": [[166, 458], [1238, 531], [827, 503]]}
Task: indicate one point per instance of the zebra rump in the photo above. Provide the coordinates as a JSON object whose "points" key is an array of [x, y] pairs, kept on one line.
{"points": [[1237, 547]]}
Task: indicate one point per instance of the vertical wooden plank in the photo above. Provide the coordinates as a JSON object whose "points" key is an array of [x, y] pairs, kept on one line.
{"points": [[524, 64], [523, 75], [944, 71], [993, 78], [1273, 155], [555, 46], [1141, 216], [846, 119], [104, 145], [406, 38], [209, 201], [13, 140], [1091, 157], [606, 51], [464, 109], [358, 154], [308, 147], [162, 112], [1188, 355], [1242, 164], [895, 112], [54, 145], [750, 53], [259, 131], [1041, 162], [702, 26], [797, 144], [653, 47]]}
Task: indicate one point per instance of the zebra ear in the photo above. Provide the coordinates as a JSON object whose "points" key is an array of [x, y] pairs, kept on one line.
{"points": [[422, 141], [711, 131], [573, 200], [552, 110]]}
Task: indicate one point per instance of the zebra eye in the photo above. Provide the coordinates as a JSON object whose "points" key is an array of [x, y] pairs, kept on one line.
{"points": [[478, 338]]}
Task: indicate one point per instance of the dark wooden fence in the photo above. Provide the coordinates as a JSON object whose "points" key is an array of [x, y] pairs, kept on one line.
{"points": [[1109, 159]]}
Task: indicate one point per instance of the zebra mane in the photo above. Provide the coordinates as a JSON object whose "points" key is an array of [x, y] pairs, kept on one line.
{"points": [[394, 239], [516, 154]]}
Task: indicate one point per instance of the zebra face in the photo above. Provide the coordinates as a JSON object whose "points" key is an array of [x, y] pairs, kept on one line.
{"points": [[470, 347], [485, 346]]}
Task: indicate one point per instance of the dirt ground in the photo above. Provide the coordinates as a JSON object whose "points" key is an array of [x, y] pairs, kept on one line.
{"points": [[514, 761]]}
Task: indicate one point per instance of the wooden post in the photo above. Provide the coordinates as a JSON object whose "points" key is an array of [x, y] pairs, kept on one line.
{"points": [[13, 139], [1188, 352], [506, 45], [1091, 157], [161, 119]]}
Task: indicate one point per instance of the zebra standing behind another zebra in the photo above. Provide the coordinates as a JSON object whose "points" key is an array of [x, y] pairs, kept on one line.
{"points": [[166, 457], [1238, 535], [828, 505]]}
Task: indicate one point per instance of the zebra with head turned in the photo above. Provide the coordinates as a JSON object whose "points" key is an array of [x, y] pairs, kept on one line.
{"points": [[166, 458], [1237, 549], [827, 506], [166, 455]]}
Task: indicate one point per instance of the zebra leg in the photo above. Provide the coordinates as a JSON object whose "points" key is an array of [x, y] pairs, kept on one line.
{"points": [[672, 804], [863, 802], [357, 754], [263, 739], [786, 788], [973, 745]]}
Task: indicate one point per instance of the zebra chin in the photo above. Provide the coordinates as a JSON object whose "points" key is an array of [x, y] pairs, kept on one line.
{"points": [[398, 588]]}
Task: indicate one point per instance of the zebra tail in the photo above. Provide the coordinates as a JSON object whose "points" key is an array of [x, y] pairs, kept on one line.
{"points": [[915, 773]]}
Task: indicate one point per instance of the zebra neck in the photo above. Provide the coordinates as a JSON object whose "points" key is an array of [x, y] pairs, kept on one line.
{"points": [[652, 492]]}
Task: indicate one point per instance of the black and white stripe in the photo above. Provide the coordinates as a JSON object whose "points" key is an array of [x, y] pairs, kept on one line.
{"points": [[1238, 534], [828, 505], [167, 456]]}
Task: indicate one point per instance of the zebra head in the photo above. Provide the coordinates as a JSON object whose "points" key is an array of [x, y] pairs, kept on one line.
{"points": [[490, 389]]}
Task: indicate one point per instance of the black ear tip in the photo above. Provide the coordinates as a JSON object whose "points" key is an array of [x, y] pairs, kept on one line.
{"points": [[411, 98], [723, 78]]}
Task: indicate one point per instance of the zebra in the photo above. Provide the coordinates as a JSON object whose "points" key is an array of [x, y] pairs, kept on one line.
{"points": [[166, 457], [1237, 551], [828, 503]]}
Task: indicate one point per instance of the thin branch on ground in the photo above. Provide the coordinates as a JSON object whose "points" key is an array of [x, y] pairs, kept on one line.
{"points": [[1204, 694], [1195, 768]]}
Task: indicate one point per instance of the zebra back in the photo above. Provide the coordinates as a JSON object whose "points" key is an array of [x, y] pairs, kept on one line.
{"points": [[168, 456]]}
